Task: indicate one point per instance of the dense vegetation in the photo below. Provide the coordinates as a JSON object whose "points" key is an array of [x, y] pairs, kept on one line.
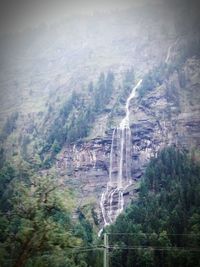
{"points": [[123, 91], [36, 221], [158, 74], [163, 227], [9, 126], [75, 118]]}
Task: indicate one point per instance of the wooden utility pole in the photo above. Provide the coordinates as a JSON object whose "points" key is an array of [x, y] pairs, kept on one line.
{"points": [[105, 260]]}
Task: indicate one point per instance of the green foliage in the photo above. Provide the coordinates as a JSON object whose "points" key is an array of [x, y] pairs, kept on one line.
{"points": [[166, 215], [9, 126], [103, 91], [56, 147], [24, 145], [154, 78], [7, 174], [35, 221], [127, 86], [124, 91], [84, 229], [128, 80], [158, 74], [76, 117]]}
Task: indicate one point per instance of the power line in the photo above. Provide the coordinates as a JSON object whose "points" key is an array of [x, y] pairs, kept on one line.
{"points": [[90, 247], [140, 234], [107, 247], [86, 250], [77, 247], [156, 248], [134, 248]]}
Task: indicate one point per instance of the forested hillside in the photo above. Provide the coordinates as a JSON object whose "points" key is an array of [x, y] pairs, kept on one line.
{"points": [[161, 228], [36, 221], [100, 136]]}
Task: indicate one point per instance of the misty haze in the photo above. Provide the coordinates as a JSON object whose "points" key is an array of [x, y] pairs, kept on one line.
{"points": [[100, 133]]}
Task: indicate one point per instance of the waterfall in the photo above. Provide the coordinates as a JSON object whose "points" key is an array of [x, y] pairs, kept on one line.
{"points": [[112, 199], [111, 159]]}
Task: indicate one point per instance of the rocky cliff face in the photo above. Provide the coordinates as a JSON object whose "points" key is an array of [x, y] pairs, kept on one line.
{"points": [[86, 166], [168, 115]]}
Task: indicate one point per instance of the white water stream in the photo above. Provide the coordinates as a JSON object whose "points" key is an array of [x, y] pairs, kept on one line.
{"points": [[112, 199]]}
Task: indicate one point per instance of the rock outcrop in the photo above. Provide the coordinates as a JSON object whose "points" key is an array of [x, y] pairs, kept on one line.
{"points": [[86, 166], [167, 115]]}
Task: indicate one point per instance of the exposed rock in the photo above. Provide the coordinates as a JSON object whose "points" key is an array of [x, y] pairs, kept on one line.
{"points": [[168, 115]]}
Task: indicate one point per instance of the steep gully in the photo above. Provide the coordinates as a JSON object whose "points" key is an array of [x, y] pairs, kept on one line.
{"points": [[112, 199]]}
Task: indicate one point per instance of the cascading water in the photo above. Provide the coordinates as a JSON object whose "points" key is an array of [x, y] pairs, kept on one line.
{"points": [[112, 200]]}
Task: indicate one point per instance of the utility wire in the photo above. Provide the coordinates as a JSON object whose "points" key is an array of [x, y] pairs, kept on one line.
{"points": [[85, 249], [140, 234], [76, 247], [156, 248]]}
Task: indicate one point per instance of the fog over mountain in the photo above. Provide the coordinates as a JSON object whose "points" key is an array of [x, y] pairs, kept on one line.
{"points": [[17, 15], [100, 133]]}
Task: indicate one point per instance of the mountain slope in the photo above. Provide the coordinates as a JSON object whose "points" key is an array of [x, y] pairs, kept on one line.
{"points": [[164, 221], [53, 83]]}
